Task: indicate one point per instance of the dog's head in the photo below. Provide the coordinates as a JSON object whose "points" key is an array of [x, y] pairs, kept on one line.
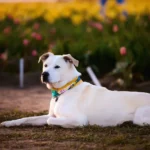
{"points": [[58, 69]]}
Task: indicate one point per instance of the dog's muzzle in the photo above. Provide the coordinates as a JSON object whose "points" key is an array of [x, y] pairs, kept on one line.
{"points": [[44, 77]]}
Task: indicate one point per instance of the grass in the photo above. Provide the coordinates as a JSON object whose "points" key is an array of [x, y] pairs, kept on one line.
{"points": [[123, 137]]}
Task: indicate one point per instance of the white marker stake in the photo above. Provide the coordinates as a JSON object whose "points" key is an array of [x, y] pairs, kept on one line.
{"points": [[93, 76], [21, 75]]}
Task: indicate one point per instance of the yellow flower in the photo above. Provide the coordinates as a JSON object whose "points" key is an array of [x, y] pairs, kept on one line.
{"points": [[77, 19]]}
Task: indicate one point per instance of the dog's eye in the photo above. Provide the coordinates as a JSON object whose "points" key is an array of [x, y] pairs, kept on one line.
{"points": [[56, 67], [45, 65]]}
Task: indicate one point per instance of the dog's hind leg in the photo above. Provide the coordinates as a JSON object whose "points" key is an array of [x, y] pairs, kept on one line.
{"points": [[35, 121], [142, 116]]}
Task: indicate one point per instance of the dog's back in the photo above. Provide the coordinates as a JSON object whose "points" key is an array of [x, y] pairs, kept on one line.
{"points": [[105, 107]]}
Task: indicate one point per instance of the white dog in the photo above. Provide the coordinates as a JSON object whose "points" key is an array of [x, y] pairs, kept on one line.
{"points": [[77, 103]]}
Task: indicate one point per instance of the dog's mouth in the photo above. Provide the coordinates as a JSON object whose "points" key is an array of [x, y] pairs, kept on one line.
{"points": [[44, 80], [47, 81]]}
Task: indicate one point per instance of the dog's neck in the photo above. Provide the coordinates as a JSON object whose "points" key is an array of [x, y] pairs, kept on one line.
{"points": [[60, 84], [74, 74], [56, 92]]}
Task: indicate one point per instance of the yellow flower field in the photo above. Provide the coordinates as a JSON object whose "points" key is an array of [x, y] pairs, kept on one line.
{"points": [[78, 11]]}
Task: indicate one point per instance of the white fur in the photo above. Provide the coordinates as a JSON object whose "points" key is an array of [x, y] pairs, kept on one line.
{"points": [[87, 104]]}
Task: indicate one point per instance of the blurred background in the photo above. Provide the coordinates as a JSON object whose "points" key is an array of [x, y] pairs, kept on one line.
{"points": [[111, 36]]}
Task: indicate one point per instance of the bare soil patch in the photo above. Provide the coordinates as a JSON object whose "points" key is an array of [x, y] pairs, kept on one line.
{"points": [[31, 99]]}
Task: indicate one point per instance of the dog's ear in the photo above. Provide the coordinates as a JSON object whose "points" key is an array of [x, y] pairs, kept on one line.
{"points": [[69, 58], [44, 56]]}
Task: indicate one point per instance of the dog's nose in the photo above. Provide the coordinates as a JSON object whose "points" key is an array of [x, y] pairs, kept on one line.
{"points": [[45, 76]]}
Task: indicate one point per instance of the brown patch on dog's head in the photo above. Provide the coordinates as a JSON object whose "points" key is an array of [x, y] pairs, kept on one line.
{"points": [[70, 59], [44, 56]]}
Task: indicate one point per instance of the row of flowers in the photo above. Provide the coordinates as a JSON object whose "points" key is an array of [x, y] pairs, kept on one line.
{"points": [[92, 42], [35, 34], [77, 11]]}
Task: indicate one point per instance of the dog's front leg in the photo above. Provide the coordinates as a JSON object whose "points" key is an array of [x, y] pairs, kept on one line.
{"points": [[35, 121], [67, 122]]}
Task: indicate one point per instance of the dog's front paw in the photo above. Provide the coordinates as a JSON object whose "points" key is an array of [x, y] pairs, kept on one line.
{"points": [[7, 124], [11, 123]]}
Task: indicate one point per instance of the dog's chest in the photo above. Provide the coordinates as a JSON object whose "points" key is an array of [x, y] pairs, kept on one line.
{"points": [[56, 106], [63, 106], [52, 106]]}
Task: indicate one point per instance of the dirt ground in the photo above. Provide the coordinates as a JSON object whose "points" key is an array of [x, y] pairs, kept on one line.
{"points": [[17, 103], [31, 99]]}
